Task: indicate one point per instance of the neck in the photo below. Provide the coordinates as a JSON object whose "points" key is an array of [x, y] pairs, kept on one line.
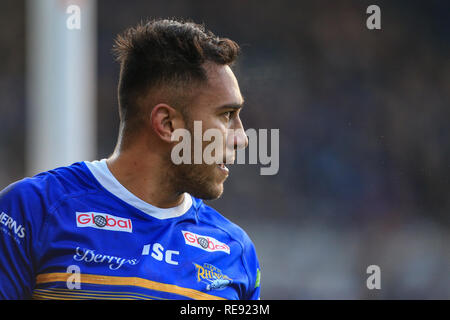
{"points": [[144, 175]]}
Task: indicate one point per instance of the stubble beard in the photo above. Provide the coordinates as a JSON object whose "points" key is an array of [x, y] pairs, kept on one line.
{"points": [[199, 180]]}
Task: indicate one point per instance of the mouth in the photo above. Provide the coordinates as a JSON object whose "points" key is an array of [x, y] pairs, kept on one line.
{"points": [[223, 168], [229, 159]]}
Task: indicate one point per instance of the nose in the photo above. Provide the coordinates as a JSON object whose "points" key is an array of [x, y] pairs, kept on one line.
{"points": [[240, 137]]}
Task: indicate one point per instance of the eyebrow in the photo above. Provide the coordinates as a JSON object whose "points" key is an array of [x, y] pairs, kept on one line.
{"points": [[232, 106]]}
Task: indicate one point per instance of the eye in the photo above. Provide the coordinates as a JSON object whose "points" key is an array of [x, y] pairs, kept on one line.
{"points": [[229, 114]]}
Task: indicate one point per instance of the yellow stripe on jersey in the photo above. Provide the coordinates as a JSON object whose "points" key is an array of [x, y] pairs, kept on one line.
{"points": [[94, 293], [75, 294], [128, 281]]}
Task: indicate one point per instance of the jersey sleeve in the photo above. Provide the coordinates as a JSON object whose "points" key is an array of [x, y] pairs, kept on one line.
{"points": [[254, 272], [20, 216]]}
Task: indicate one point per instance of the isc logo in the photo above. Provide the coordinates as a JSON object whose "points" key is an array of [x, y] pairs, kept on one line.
{"points": [[159, 253], [103, 221]]}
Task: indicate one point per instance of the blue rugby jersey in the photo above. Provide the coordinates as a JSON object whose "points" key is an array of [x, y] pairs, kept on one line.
{"points": [[76, 233]]}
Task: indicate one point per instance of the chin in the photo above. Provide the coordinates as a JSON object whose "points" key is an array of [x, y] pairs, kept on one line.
{"points": [[209, 193], [200, 181]]}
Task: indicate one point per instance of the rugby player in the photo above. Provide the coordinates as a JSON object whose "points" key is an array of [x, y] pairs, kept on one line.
{"points": [[134, 226]]}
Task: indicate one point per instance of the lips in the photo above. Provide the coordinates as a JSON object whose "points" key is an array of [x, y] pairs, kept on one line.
{"points": [[223, 167], [228, 159]]}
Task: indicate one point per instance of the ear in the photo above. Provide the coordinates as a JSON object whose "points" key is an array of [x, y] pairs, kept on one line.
{"points": [[164, 120]]}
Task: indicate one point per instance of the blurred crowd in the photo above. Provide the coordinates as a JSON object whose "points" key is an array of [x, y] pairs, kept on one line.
{"points": [[364, 135]]}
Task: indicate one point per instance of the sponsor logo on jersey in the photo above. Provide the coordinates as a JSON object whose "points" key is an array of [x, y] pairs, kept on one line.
{"points": [[212, 276], [12, 227], [160, 254], [204, 242], [90, 256], [103, 221]]}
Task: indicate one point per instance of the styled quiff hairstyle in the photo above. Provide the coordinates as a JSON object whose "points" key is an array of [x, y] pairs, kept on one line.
{"points": [[165, 54]]}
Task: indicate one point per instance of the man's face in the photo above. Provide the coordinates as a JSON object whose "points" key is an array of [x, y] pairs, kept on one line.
{"points": [[217, 106]]}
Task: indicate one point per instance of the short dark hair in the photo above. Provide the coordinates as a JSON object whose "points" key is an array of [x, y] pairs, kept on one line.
{"points": [[165, 52]]}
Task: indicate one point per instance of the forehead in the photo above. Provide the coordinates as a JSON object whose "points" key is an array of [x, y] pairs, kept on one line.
{"points": [[222, 87]]}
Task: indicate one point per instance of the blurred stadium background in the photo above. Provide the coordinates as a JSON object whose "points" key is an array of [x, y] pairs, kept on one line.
{"points": [[364, 135]]}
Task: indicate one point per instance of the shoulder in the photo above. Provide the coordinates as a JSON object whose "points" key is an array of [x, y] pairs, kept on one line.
{"points": [[209, 215], [47, 188]]}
